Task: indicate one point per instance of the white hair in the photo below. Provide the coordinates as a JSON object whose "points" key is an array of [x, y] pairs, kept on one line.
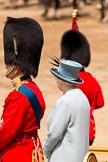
{"points": [[67, 83]]}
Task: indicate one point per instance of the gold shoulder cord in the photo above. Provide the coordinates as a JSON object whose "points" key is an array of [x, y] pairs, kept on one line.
{"points": [[37, 152]]}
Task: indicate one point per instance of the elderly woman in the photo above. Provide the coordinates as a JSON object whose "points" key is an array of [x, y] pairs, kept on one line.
{"points": [[67, 139]]}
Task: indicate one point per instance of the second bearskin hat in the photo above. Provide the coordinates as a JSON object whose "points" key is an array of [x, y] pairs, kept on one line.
{"points": [[23, 41], [74, 45]]}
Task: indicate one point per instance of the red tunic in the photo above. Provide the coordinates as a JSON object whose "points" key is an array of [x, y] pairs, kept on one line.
{"points": [[93, 91], [18, 119]]}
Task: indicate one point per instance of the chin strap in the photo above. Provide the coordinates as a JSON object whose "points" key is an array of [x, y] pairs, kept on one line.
{"points": [[10, 70]]}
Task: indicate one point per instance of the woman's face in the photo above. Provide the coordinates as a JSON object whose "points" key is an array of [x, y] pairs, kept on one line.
{"points": [[59, 84]]}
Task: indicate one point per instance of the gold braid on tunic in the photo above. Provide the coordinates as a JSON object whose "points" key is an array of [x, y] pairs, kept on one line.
{"points": [[17, 82]]}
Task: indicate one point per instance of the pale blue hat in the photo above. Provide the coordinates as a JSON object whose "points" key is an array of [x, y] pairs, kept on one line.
{"points": [[68, 71]]}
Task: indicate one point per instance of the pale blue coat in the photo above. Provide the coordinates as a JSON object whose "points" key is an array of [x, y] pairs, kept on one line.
{"points": [[67, 139]]}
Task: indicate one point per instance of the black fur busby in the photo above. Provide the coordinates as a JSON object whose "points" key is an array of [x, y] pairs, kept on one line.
{"points": [[75, 47], [23, 42]]}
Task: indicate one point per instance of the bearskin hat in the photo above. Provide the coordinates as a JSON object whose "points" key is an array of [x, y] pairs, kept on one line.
{"points": [[75, 47], [23, 41]]}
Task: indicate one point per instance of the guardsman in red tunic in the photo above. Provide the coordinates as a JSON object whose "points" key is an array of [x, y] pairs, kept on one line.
{"points": [[75, 47], [24, 106]]}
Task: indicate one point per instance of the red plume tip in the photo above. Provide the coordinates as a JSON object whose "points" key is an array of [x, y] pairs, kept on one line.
{"points": [[74, 20], [74, 24]]}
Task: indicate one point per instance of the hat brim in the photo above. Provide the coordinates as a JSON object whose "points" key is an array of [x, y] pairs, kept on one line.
{"points": [[55, 72]]}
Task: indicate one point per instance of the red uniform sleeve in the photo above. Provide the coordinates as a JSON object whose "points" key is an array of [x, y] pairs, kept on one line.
{"points": [[92, 90], [99, 96]]}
